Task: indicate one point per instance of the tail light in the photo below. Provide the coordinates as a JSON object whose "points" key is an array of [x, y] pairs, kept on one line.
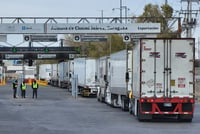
{"points": [[192, 100], [142, 100], [150, 100]]}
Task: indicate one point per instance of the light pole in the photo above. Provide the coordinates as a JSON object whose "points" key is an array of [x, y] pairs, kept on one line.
{"points": [[126, 12], [120, 7]]}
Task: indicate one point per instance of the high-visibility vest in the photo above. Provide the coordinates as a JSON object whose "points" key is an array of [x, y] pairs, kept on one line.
{"points": [[35, 85], [23, 86]]}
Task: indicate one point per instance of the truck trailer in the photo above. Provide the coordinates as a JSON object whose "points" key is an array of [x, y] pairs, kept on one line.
{"points": [[163, 79], [65, 70], [103, 77], [120, 82], [54, 75], [86, 70], [44, 72]]}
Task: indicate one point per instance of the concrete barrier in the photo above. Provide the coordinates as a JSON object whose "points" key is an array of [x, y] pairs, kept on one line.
{"points": [[42, 83]]}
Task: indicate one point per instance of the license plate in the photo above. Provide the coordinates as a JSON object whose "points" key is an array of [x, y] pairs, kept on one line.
{"points": [[167, 104]]}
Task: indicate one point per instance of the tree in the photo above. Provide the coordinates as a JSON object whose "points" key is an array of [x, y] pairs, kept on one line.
{"points": [[152, 13], [98, 49]]}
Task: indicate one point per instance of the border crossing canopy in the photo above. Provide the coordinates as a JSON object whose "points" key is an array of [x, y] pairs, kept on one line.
{"points": [[32, 26], [74, 28]]}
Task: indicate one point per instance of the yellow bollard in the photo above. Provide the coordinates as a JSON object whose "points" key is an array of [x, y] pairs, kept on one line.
{"points": [[29, 81]]}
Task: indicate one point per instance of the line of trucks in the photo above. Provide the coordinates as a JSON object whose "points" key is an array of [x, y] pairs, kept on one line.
{"points": [[154, 79]]}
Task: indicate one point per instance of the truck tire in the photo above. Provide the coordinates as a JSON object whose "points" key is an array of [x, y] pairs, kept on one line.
{"points": [[125, 104], [185, 118]]}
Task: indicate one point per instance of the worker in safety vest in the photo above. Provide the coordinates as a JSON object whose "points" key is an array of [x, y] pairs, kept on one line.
{"points": [[15, 84], [35, 87], [23, 89]]}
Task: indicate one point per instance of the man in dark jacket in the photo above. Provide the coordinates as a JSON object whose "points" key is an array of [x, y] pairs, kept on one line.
{"points": [[15, 84]]}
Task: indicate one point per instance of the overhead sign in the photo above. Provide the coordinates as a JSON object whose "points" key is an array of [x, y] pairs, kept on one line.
{"points": [[136, 37], [90, 38], [41, 38], [71, 28], [103, 28], [21, 28], [94, 38], [46, 56], [37, 52], [14, 56]]}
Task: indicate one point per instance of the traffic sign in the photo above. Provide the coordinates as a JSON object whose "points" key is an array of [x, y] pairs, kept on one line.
{"points": [[77, 38], [29, 50], [90, 38], [14, 56], [46, 56], [41, 38], [94, 38], [26, 37], [33, 52], [126, 38]]}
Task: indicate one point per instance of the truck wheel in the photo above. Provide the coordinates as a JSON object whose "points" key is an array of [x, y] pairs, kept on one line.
{"points": [[122, 104], [182, 118], [138, 112]]}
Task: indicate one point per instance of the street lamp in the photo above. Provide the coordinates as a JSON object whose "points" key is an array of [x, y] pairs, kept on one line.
{"points": [[126, 12]]}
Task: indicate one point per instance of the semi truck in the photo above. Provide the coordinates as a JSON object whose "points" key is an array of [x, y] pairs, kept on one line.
{"points": [[64, 74], [103, 77], [163, 79], [120, 82], [54, 75], [44, 72], [86, 70]]}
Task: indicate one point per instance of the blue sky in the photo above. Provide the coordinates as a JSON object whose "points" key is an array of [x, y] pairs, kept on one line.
{"points": [[77, 8]]}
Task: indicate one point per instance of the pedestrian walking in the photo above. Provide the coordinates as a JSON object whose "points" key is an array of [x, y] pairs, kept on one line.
{"points": [[23, 89], [15, 85], [35, 88]]}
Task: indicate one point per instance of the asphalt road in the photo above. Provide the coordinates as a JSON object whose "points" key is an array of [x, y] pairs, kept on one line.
{"points": [[56, 112]]}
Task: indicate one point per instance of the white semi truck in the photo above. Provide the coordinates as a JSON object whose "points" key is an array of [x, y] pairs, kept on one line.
{"points": [[45, 72], [163, 79], [65, 74], [86, 70], [103, 77], [54, 75], [120, 81]]}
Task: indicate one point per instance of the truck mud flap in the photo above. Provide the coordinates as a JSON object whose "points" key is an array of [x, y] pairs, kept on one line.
{"points": [[143, 117], [125, 104]]}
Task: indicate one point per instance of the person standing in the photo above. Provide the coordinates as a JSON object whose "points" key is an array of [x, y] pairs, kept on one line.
{"points": [[35, 88], [15, 84], [23, 89]]}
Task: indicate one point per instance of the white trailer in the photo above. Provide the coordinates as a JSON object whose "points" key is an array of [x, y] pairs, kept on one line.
{"points": [[54, 75], [44, 72], [103, 77], [163, 82], [64, 74], [120, 79], [85, 69]]}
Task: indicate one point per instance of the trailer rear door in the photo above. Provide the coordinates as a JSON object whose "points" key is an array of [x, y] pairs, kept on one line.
{"points": [[167, 68]]}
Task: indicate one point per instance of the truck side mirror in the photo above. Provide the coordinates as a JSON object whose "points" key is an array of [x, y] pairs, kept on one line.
{"points": [[127, 76]]}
